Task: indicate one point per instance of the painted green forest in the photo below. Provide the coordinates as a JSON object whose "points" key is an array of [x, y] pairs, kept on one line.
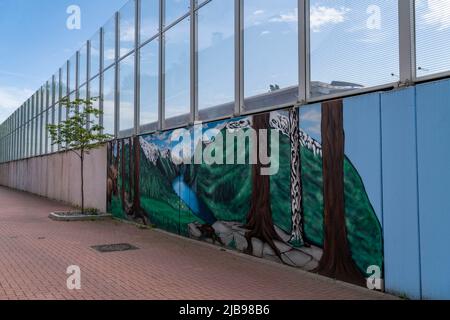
{"points": [[226, 191]]}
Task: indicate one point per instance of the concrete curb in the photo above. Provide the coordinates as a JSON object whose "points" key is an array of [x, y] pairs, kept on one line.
{"points": [[57, 216]]}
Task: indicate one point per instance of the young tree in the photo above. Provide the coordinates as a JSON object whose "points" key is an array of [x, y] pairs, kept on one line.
{"points": [[80, 133]]}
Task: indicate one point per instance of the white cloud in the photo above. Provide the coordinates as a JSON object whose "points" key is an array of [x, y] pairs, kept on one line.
{"points": [[286, 17], [322, 15], [258, 12], [110, 54], [266, 32], [438, 14], [127, 33], [10, 99]]}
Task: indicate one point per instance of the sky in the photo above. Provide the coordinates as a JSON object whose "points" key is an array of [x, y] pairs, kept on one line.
{"points": [[351, 41], [35, 42]]}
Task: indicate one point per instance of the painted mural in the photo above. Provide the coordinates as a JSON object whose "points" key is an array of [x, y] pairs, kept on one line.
{"points": [[312, 213]]}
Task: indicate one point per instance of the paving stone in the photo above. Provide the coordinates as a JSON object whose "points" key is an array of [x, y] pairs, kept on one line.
{"points": [[164, 267]]}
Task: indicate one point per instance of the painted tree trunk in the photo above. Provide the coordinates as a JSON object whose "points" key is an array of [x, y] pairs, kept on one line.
{"points": [[259, 218], [297, 238], [130, 169], [139, 212], [336, 261], [122, 174]]}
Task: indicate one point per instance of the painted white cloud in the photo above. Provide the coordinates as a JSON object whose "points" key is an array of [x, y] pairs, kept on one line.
{"points": [[10, 99], [313, 119], [322, 16], [438, 14]]}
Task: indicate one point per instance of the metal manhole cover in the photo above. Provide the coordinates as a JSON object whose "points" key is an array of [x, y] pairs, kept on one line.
{"points": [[114, 247]]}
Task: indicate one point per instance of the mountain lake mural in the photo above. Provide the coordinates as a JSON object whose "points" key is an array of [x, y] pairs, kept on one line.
{"points": [[313, 214]]}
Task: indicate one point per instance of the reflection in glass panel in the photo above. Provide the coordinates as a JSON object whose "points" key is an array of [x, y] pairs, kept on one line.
{"points": [[94, 92], [50, 120], [72, 73], [270, 52], [216, 44], [356, 47], [127, 28], [95, 55], [149, 19], [38, 135], [71, 110], [126, 103], [82, 94], [432, 37], [175, 9], [83, 66], [51, 92], [109, 54], [37, 104], [31, 137], [64, 81], [44, 132], [57, 87], [149, 85], [108, 101], [199, 2], [177, 72], [63, 112]]}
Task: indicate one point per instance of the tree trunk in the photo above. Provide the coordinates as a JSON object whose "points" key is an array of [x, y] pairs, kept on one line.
{"points": [[259, 218], [297, 234], [139, 212], [82, 181], [336, 261], [116, 158], [122, 174], [130, 169]]}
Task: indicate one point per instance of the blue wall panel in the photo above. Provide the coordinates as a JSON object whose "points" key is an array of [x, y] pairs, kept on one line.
{"points": [[400, 207], [363, 144], [433, 141]]}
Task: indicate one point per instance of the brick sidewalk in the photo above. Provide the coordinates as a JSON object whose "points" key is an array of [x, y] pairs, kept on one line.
{"points": [[35, 252]]}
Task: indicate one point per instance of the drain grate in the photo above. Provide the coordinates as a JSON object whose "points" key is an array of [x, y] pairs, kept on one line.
{"points": [[114, 247]]}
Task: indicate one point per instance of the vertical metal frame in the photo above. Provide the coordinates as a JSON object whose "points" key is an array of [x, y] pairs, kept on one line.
{"points": [[193, 63], [36, 127], [239, 56], [162, 48], [45, 121], [116, 76], [407, 41], [88, 65], [67, 86], [59, 113], [53, 109], [77, 74], [88, 73], [100, 79], [137, 66], [304, 66], [39, 121]]}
